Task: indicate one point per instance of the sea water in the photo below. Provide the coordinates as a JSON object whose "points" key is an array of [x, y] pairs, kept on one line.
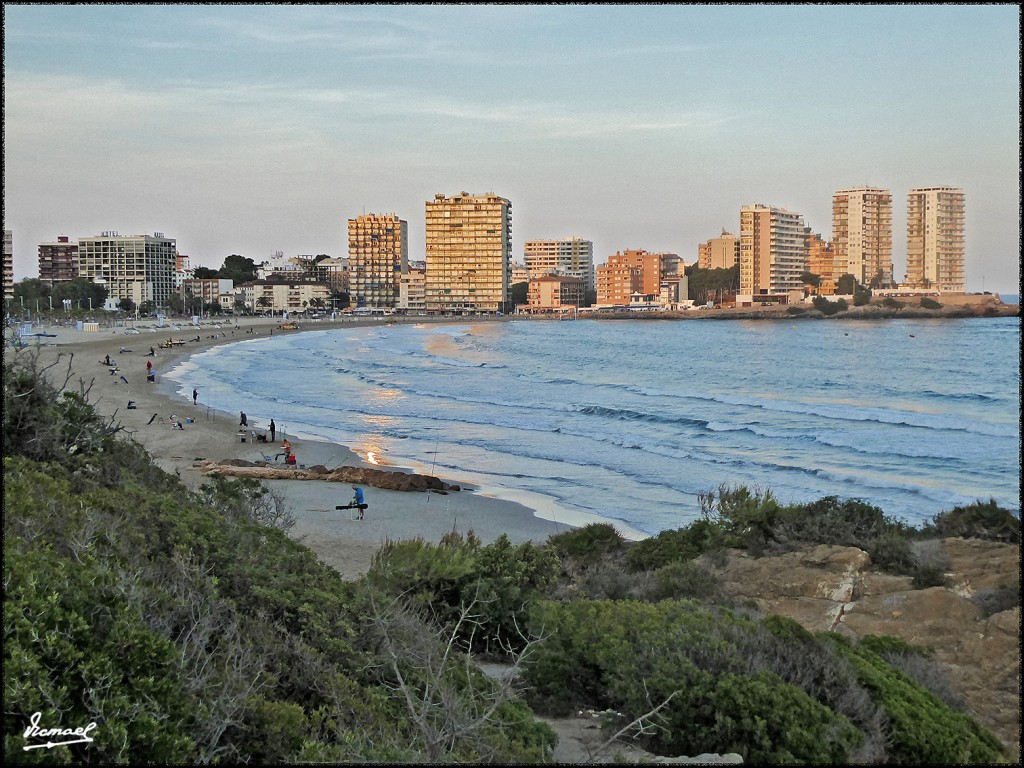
{"points": [[630, 420]]}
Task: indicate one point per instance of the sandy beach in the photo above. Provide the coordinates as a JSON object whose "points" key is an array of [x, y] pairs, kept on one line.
{"points": [[208, 434]]}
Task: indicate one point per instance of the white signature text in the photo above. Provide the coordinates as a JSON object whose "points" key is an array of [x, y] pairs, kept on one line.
{"points": [[35, 732]]}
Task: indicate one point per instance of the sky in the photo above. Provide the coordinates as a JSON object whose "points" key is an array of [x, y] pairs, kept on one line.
{"points": [[251, 129]]}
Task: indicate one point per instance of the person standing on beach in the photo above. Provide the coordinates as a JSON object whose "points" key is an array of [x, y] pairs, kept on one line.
{"points": [[195, 396], [273, 429], [242, 420], [358, 500]]}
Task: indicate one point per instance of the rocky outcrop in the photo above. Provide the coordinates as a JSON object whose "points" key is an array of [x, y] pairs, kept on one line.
{"points": [[829, 588], [375, 478]]}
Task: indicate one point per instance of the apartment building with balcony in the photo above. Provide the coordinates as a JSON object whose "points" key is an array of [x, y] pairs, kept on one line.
{"points": [[862, 233], [935, 239], [634, 271], [412, 293], [823, 261], [569, 257], [334, 273], [8, 264], [555, 293], [58, 262], [719, 252], [772, 250], [279, 294], [202, 291], [468, 253], [136, 267], [378, 255]]}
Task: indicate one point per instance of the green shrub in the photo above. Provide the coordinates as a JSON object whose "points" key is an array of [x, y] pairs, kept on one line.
{"points": [[922, 730], [631, 657], [891, 303], [998, 599], [588, 544], [928, 303], [827, 307], [980, 520], [796, 311], [669, 546], [685, 578]]}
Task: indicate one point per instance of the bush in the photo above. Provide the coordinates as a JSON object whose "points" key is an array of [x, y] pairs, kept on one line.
{"points": [[891, 303], [678, 544], [721, 696], [928, 303], [796, 311], [980, 520], [588, 544], [1001, 598], [922, 730], [827, 307]]}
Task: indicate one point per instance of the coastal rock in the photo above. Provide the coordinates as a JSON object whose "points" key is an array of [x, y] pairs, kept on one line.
{"points": [[375, 478], [834, 589]]}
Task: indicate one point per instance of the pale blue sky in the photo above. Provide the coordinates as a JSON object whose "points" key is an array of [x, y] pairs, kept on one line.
{"points": [[250, 129]]}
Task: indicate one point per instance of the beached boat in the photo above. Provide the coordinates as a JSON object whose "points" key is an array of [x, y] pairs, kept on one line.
{"points": [[290, 327]]}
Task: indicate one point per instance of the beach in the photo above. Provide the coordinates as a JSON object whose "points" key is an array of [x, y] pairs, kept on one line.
{"points": [[206, 434]]}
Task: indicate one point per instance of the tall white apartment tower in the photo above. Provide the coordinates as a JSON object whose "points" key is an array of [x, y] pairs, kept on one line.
{"points": [[136, 267], [378, 255], [8, 264], [862, 233], [773, 250], [569, 257], [468, 255], [935, 238]]}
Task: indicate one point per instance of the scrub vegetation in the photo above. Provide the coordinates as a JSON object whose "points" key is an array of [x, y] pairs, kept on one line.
{"points": [[190, 628]]}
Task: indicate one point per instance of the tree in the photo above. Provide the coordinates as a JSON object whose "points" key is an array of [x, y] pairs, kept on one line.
{"points": [[519, 291], [147, 308], [878, 281], [205, 273], [79, 291], [847, 285], [30, 289], [809, 278], [238, 268], [263, 302], [126, 305]]}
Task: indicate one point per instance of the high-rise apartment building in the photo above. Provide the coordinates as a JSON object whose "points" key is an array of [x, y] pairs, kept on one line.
{"points": [[8, 264], [772, 250], [136, 267], [862, 233], [568, 257], [378, 255], [935, 239], [719, 252], [469, 247], [58, 262]]}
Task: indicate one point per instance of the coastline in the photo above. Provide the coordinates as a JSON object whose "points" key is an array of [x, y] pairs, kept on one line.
{"points": [[210, 434]]}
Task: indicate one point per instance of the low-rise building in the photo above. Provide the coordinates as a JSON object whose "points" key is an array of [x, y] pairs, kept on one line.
{"points": [[555, 293]]}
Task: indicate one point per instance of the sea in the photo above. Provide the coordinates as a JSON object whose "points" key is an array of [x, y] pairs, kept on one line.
{"points": [[628, 421]]}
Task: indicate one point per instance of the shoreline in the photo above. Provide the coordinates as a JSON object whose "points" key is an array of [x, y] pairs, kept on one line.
{"points": [[211, 434]]}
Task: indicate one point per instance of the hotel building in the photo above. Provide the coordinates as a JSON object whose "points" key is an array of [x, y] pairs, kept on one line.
{"points": [[862, 233], [772, 250], [378, 255], [719, 252], [935, 239], [8, 264], [136, 267], [58, 262], [468, 253], [569, 257]]}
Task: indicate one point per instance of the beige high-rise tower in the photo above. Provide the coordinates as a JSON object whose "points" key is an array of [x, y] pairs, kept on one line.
{"points": [[935, 238], [862, 233], [773, 251], [469, 247], [378, 254]]}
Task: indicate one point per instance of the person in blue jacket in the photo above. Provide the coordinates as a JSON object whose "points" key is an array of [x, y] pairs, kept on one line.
{"points": [[358, 500]]}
